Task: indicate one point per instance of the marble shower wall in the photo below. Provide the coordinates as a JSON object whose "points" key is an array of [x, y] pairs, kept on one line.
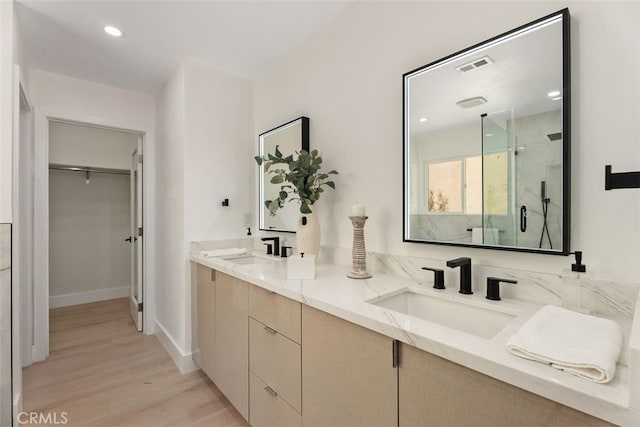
{"points": [[451, 228], [539, 159]]}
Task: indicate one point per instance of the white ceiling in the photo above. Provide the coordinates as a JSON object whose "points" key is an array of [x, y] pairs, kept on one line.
{"points": [[525, 70], [240, 37]]}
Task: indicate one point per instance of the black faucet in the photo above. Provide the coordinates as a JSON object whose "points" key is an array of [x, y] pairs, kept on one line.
{"points": [[465, 273], [276, 244]]}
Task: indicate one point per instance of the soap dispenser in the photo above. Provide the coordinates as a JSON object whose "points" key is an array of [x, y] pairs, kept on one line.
{"points": [[573, 286]]}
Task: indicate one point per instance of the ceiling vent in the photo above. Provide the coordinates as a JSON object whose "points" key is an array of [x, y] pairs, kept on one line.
{"points": [[471, 102], [555, 136], [476, 63]]}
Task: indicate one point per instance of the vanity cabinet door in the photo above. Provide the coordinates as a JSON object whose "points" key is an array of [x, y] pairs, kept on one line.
{"points": [[232, 341], [206, 306], [436, 392], [348, 378]]}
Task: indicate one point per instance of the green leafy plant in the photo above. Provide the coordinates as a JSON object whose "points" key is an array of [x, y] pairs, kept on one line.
{"points": [[302, 181]]}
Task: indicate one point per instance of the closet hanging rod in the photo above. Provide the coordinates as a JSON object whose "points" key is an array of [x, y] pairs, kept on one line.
{"points": [[89, 169]]}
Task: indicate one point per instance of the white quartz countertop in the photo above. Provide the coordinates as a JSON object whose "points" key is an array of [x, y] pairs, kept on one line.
{"points": [[331, 291]]}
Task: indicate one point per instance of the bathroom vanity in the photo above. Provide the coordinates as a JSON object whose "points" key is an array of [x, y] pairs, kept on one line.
{"points": [[330, 352]]}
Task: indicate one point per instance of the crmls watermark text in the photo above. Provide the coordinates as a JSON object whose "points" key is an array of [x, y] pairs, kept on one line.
{"points": [[43, 418]]}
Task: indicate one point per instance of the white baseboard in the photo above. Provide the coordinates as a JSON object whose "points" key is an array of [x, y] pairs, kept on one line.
{"points": [[183, 361], [17, 406], [89, 296], [196, 357]]}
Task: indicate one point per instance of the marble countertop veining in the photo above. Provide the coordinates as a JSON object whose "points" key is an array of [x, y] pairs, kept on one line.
{"points": [[346, 298]]}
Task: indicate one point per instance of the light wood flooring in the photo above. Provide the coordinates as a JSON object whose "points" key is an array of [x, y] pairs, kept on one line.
{"points": [[104, 373]]}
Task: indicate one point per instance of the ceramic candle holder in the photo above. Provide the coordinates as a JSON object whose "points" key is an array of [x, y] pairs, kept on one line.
{"points": [[359, 254]]}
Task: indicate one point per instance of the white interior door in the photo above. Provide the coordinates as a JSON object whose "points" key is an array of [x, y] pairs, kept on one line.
{"points": [[135, 239]]}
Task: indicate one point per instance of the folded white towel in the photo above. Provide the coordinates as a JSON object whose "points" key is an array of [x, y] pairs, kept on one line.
{"points": [[583, 345], [223, 252]]}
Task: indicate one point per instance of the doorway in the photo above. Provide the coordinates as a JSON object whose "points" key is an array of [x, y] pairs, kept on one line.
{"points": [[93, 197]]}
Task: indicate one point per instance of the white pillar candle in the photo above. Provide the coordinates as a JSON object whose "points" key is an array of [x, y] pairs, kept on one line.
{"points": [[358, 210]]}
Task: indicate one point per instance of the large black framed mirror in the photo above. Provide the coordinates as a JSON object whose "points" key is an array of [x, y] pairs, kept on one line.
{"points": [[290, 137], [487, 143]]}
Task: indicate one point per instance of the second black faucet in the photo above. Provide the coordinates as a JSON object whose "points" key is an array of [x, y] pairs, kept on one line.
{"points": [[276, 244], [465, 273]]}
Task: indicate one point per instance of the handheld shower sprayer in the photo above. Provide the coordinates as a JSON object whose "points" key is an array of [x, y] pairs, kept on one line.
{"points": [[545, 210]]}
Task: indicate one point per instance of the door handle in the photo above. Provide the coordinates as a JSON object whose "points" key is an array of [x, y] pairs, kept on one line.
{"points": [[523, 218], [128, 239]]}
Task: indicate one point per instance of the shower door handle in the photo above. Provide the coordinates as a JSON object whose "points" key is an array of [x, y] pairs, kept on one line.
{"points": [[523, 218]]}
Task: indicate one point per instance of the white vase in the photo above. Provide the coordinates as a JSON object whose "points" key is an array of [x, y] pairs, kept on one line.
{"points": [[308, 234]]}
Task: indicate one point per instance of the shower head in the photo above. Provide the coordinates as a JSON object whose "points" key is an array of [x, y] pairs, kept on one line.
{"points": [[554, 136]]}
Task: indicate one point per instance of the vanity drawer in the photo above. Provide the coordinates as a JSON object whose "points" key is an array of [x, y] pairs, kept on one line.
{"points": [[268, 409], [276, 360], [276, 311]]}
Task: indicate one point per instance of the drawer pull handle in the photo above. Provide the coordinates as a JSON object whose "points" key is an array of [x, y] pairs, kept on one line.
{"points": [[268, 329], [268, 291], [271, 391]]}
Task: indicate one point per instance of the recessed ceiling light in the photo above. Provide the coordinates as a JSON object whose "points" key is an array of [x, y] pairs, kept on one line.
{"points": [[422, 119], [557, 98], [112, 31], [553, 93]]}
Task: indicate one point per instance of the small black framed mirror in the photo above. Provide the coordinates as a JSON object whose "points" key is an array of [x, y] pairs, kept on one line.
{"points": [[486, 137], [290, 137]]}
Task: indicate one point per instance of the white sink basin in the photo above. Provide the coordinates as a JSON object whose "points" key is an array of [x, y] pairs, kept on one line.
{"points": [[249, 259], [464, 315]]}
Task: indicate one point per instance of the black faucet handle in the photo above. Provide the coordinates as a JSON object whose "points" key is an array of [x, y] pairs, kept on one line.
{"points": [[578, 255], [493, 287], [269, 248], [578, 266], [438, 277], [284, 253]]}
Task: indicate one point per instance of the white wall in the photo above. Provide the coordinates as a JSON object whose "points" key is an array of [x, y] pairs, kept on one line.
{"points": [[348, 80], [75, 145], [6, 109], [204, 139], [218, 159], [89, 260], [70, 99], [169, 209], [15, 133]]}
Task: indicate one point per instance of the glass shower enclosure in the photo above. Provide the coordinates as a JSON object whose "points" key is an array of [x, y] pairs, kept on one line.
{"points": [[522, 179]]}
